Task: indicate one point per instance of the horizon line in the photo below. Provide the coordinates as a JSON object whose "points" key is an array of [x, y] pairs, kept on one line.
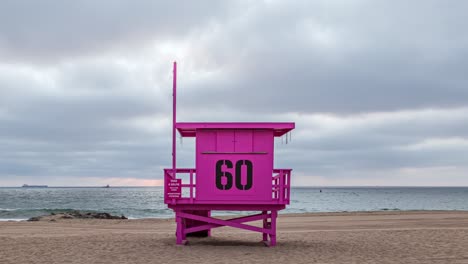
{"points": [[293, 186]]}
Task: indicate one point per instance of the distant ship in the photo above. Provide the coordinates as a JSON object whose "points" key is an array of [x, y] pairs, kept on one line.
{"points": [[107, 186], [34, 186]]}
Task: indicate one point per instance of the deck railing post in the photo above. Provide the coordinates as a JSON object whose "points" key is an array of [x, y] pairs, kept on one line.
{"points": [[289, 185], [276, 188], [273, 186], [281, 187], [165, 184], [191, 186]]}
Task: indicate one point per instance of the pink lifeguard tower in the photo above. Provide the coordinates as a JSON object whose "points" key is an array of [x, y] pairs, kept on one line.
{"points": [[233, 171]]}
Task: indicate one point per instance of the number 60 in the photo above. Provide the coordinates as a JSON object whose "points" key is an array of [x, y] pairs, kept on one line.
{"points": [[220, 173]]}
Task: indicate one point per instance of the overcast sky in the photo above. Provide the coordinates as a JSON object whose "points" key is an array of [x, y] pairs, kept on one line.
{"points": [[378, 89]]}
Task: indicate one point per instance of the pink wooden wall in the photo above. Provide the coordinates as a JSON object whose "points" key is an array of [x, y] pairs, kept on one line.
{"points": [[234, 164]]}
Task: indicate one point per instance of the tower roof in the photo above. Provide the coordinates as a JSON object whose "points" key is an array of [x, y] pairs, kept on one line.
{"points": [[188, 129]]}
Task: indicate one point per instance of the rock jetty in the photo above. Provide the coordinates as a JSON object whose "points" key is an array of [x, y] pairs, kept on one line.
{"points": [[76, 215]]}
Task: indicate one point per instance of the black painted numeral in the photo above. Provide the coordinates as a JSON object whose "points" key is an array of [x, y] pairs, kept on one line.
{"points": [[239, 165], [220, 174]]}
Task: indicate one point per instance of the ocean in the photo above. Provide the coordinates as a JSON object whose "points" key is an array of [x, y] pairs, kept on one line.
{"points": [[147, 202]]}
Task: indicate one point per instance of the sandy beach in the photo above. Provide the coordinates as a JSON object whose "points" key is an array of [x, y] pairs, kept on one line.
{"points": [[378, 237]]}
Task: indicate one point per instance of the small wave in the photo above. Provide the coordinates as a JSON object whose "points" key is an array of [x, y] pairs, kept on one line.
{"points": [[46, 210], [9, 209], [39, 209]]}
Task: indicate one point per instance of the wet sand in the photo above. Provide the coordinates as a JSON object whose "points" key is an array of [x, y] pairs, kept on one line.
{"points": [[378, 237]]}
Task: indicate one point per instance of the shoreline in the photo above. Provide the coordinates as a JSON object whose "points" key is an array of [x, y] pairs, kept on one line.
{"points": [[281, 213]]}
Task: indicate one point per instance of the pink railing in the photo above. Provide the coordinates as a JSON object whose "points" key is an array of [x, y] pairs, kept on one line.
{"points": [[169, 174], [281, 183]]}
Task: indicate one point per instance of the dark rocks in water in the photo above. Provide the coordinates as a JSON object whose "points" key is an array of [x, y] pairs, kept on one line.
{"points": [[66, 216], [98, 216], [89, 215], [76, 215]]}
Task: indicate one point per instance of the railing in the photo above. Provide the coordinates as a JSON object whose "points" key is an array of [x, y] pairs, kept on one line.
{"points": [[281, 183], [169, 175]]}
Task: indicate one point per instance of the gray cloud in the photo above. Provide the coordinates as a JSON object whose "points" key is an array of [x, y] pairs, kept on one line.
{"points": [[53, 30], [359, 57]]}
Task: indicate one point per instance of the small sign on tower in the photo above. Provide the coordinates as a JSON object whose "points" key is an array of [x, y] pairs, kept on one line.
{"points": [[174, 190]]}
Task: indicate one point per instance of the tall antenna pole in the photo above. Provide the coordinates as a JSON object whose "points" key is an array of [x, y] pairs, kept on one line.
{"points": [[174, 107]]}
